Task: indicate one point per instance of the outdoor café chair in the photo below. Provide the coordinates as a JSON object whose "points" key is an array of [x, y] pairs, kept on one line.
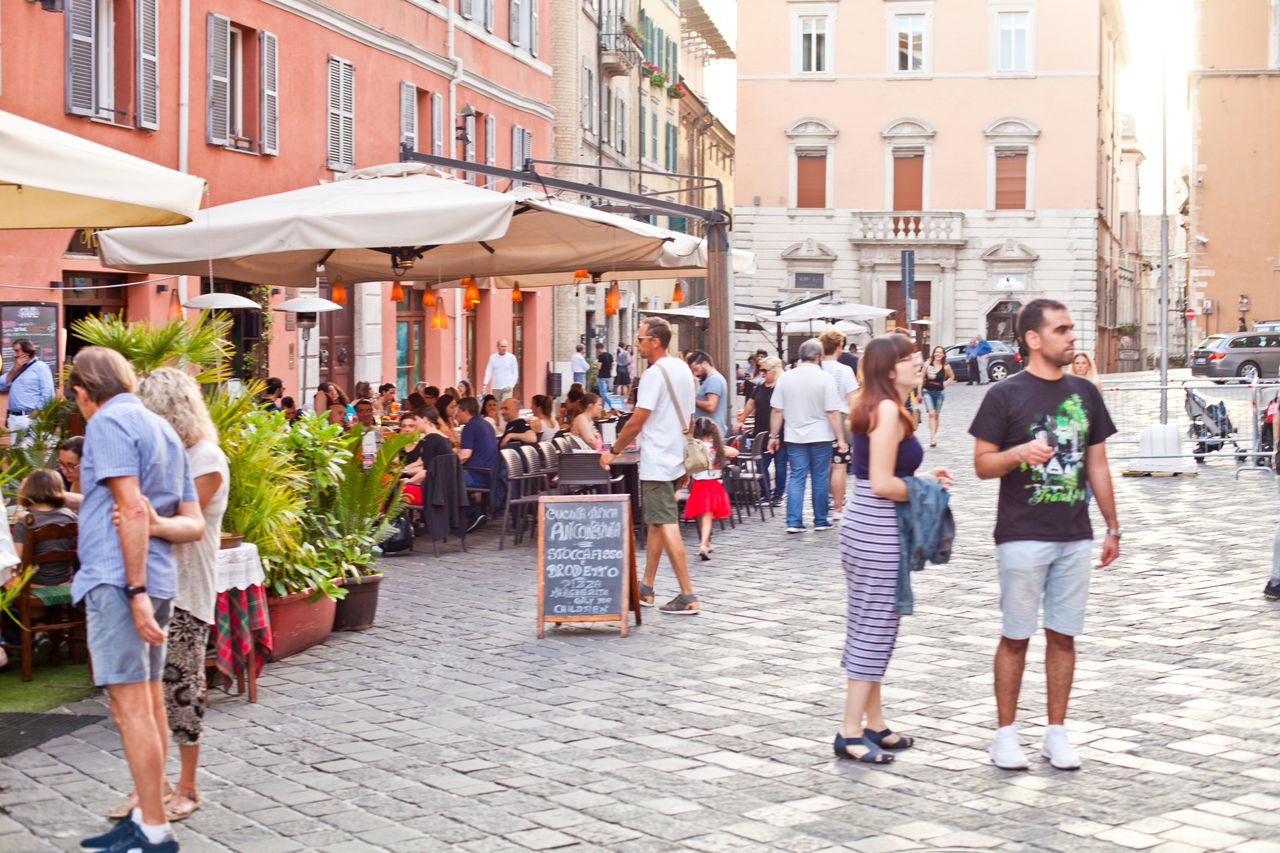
{"points": [[48, 609], [581, 472]]}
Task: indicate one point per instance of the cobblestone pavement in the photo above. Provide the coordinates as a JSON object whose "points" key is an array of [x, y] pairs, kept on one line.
{"points": [[449, 726]]}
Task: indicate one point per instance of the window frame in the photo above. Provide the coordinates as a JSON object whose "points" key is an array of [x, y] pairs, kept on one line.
{"points": [[1011, 133], [346, 111], [810, 135], [997, 8], [894, 9], [799, 13], [909, 134]]}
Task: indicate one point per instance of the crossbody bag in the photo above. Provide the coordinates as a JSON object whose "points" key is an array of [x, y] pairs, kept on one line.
{"points": [[696, 459]]}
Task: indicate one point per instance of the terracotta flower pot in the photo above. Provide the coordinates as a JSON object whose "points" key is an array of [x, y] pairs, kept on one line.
{"points": [[298, 623], [357, 611]]}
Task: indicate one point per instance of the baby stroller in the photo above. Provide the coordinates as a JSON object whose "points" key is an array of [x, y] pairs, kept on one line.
{"points": [[1264, 437], [1211, 428]]}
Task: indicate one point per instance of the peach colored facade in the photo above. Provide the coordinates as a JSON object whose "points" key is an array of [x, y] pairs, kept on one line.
{"points": [[1234, 234], [966, 97], [427, 44]]}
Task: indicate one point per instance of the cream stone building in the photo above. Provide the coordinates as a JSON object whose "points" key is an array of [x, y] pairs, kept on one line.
{"points": [[1234, 236], [982, 134]]}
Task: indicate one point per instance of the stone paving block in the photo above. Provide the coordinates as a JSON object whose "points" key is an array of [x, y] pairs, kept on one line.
{"points": [[541, 839]]}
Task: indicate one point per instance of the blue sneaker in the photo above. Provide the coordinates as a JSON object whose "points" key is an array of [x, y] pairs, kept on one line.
{"points": [[130, 839], [122, 831]]}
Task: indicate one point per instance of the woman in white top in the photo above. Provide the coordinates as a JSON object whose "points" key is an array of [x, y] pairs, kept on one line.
{"points": [[174, 396], [544, 419], [584, 432]]}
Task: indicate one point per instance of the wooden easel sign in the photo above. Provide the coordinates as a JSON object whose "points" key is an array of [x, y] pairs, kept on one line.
{"points": [[586, 560]]}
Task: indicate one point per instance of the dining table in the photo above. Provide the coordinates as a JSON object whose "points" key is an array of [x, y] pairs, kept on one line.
{"points": [[627, 463], [241, 631]]}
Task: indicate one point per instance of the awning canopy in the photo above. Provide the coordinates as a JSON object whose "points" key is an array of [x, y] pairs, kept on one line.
{"points": [[831, 312], [51, 179], [741, 320]]}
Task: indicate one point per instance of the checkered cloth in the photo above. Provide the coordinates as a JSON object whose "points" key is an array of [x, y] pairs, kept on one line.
{"points": [[241, 627]]}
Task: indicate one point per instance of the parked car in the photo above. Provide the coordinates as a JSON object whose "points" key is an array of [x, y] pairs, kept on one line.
{"points": [[1004, 361], [1237, 355]]}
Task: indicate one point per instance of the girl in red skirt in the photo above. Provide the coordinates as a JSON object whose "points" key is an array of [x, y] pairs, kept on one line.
{"points": [[707, 497]]}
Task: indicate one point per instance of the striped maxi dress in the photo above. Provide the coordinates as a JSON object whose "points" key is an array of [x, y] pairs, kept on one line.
{"points": [[869, 553]]}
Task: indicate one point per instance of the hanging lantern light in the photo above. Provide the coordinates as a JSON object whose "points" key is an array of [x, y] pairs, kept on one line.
{"points": [[339, 294], [516, 295], [439, 320], [677, 295], [428, 298], [397, 292], [581, 274], [471, 297], [175, 304]]}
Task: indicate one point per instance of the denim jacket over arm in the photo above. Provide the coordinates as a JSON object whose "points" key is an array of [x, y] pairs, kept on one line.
{"points": [[926, 531]]}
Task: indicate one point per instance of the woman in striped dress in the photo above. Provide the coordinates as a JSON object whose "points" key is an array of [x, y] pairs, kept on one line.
{"points": [[885, 450]]}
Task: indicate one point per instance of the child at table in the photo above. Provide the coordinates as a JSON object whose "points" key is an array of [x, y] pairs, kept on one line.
{"points": [[41, 494], [707, 498]]}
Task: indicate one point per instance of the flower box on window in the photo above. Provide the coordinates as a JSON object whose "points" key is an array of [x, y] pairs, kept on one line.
{"points": [[648, 69], [677, 91], [657, 80]]}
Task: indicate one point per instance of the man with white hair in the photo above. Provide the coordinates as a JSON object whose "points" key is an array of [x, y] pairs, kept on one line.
{"points": [[807, 399]]}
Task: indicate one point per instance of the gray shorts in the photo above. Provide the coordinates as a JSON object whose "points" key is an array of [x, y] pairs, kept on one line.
{"points": [[1055, 572], [120, 656]]}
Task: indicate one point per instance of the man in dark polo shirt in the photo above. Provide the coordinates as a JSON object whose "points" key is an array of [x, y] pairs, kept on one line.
{"points": [[478, 452]]}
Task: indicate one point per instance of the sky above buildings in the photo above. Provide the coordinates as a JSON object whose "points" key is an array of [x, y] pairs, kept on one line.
{"points": [[1157, 31]]}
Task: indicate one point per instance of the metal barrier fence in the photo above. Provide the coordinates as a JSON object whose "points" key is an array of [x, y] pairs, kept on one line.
{"points": [[1209, 437]]}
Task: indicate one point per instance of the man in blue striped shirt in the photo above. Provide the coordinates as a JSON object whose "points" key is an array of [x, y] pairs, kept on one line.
{"points": [[29, 384], [134, 466]]}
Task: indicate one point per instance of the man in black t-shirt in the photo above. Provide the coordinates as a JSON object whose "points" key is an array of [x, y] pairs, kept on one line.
{"points": [[604, 372], [850, 358], [1042, 432], [517, 429]]}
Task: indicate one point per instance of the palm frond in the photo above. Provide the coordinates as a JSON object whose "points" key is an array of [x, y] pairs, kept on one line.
{"points": [[179, 344]]}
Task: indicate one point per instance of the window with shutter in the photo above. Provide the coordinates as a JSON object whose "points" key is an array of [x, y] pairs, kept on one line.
{"points": [[488, 14], [811, 179], [513, 22], [218, 81], [148, 74], [490, 148], [469, 147], [1011, 180], [81, 62], [465, 8], [533, 27], [528, 145], [409, 115], [584, 98], [269, 110], [341, 125], [517, 147], [642, 146], [437, 124], [908, 180], [674, 61], [620, 140]]}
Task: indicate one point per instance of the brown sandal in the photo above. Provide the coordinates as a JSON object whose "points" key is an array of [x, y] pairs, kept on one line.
{"points": [[122, 810], [181, 805]]}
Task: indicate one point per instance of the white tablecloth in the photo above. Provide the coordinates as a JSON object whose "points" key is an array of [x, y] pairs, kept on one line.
{"points": [[239, 567]]}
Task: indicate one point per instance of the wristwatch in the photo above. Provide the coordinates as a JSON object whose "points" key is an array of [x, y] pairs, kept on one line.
{"points": [[134, 591], [1113, 531]]}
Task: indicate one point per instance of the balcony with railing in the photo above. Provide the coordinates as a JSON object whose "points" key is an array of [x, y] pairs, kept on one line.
{"points": [[620, 49], [924, 227]]}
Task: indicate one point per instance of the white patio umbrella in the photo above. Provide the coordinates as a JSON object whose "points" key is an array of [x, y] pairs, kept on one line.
{"points": [[51, 179], [675, 259], [351, 223], [817, 327], [830, 312], [220, 302]]}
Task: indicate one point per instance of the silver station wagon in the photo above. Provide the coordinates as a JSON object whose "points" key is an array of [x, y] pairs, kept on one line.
{"points": [[1237, 355]]}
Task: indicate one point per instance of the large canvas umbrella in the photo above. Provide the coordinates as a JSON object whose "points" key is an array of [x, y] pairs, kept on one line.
{"points": [[830, 312], [674, 259], [403, 221], [51, 179]]}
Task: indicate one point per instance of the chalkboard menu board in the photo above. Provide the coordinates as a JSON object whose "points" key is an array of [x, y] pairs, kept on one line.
{"points": [[35, 321], [586, 560]]}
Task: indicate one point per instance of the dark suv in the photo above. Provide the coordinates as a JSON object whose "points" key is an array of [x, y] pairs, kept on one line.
{"points": [[1237, 355]]}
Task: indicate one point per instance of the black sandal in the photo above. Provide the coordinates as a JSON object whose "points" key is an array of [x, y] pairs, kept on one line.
{"points": [[903, 741], [873, 755]]}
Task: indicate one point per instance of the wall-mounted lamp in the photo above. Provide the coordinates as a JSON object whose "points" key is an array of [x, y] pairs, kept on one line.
{"points": [[466, 113]]}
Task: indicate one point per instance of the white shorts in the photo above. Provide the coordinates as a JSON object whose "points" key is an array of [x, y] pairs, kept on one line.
{"points": [[1055, 572]]}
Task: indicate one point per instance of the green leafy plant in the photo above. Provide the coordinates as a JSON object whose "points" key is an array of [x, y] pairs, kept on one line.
{"points": [[34, 446], [9, 594], [202, 344], [657, 80], [367, 501]]}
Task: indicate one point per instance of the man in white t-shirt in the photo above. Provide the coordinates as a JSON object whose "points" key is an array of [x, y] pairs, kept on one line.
{"points": [[846, 386], [501, 374], [661, 423], [806, 396]]}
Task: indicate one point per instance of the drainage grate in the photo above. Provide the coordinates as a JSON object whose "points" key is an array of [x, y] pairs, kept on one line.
{"points": [[23, 731]]}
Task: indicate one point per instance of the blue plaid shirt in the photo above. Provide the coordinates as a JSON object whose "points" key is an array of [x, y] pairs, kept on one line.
{"points": [[125, 439]]}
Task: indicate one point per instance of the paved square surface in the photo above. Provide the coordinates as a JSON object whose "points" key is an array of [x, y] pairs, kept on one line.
{"points": [[449, 726]]}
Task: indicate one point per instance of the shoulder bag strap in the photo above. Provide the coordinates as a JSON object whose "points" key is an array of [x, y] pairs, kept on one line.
{"points": [[684, 425]]}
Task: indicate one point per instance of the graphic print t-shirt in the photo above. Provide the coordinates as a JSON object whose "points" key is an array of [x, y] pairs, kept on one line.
{"points": [[1044, 502]]}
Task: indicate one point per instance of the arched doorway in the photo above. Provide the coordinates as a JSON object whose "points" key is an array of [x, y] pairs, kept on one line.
{"points": [[1001, 320]]}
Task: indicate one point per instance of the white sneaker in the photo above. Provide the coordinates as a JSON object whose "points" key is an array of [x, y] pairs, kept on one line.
{"points": [[795, 530], [1006, 753], [1058, 750]]}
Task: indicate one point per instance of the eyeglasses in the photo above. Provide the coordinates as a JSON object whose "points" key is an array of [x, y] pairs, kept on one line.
{"points": [[70, 466]]}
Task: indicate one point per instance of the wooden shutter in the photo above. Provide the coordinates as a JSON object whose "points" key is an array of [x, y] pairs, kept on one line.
{"points": [[488, 15], [517, 147], [642, 128], [620, 140], [490, 148], [148, 96], [533, 26], [465, 8], [218, 81], [341, 125], [811, 179], [269, 110], [1011, 180], [81, 69], [527, 148], [513, 23], [409, 114], [908, 181], [437, 124]]}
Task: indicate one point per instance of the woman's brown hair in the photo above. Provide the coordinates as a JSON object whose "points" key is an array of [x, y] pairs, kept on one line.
{"points": [[42, 486], [877, 366]]}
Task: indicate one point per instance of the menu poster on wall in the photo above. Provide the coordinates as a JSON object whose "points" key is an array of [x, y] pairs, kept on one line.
{"points": [[35, 321]]}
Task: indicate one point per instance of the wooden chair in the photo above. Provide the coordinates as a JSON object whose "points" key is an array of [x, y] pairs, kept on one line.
{"points": [[49, 610]]}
